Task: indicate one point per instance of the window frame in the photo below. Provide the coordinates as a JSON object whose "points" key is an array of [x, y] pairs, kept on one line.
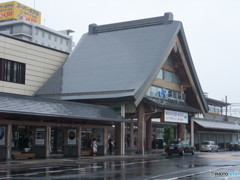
{"points": [[12, 71]]}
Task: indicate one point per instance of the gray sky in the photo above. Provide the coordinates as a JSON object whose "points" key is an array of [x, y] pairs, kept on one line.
{"points": [[212, 29]]}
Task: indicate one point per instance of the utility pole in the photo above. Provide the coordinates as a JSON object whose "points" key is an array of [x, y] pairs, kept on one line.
{"points": [[226, 119]]}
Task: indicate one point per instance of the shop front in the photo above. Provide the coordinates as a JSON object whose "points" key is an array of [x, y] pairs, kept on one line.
{"points": [[43, 127], [221, 132]]}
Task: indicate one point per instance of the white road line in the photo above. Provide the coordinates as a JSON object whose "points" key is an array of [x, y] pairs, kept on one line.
{"points": [[56, 171], [45, 167], [30, 174]]}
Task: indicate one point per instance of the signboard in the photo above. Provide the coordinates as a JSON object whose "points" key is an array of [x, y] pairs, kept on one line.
{"points": [[175, 116], [14, 10], [2, 135], [72, 136], [40, 136]]}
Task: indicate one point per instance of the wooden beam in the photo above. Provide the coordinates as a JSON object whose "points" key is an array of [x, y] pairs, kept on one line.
{"points": [[35, 123]]}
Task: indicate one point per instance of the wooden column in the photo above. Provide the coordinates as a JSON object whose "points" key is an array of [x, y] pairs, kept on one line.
{"points": [[140, 129], [65, 135], [180, 131], [105, 140], [47, 140], [117, 135], [192, 131], [79, 141], [132, 134], [149, 134], [122, 149], [9, 141]]}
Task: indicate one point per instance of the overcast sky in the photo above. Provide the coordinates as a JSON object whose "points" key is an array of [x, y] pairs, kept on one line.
{"points": [[212, 29]]}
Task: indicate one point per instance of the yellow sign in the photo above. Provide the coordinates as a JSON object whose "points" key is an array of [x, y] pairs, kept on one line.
{"points": [[14, 10]]}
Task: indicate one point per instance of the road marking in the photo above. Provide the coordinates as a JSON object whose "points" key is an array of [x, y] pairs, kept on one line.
{"points": [[217, 156]]}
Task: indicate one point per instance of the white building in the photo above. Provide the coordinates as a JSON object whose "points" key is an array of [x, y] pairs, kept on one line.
{"points": [[39, 34], [26, 66]]}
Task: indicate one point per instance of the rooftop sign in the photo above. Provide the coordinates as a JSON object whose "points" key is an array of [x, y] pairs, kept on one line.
{"points": [[14, 11]]}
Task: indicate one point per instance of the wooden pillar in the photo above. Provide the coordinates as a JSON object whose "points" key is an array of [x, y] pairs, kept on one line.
{"points": [[47, 140], [140, 129], [149, 134], [105, 140], [132, 134], [117, 135], [9, 141], [192, 131], [180, 131], [122, 149], [199, 140], [79, 141], [65, 135], [224, 138]]}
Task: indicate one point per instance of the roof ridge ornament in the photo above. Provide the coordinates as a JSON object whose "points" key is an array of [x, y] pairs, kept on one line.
{"points": [[166, 19]]}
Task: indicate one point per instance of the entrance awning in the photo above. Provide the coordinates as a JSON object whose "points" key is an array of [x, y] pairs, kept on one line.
{"points": [[217, 124]]}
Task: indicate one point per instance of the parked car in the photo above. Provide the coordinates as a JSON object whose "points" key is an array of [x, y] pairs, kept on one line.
{"points": [[234, 145], [208, 146], [179, 147]]}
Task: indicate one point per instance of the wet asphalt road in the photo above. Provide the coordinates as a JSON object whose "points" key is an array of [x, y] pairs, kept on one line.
{"points": [[204, 165]]}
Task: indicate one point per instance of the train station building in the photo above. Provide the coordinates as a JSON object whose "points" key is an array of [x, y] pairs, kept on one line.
{"points": [[137, 73], [143, 69]]}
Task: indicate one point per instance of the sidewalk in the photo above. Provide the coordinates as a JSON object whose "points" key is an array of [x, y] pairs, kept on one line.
{"points": [[60, 160]]}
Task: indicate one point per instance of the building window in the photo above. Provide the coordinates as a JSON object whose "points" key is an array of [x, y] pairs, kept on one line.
{"points": [[169, 60], [49, 36], [67, 43], [168, 76], [61, 40], [12, 71], [160, 74], [36, 31], [176, 78], [43, 34], [55, 38]]}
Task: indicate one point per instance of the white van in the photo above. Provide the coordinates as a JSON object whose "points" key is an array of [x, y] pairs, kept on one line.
{"points": [[208, 146]]}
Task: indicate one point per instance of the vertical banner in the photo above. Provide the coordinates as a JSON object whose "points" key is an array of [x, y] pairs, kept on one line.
{"points": [[40, 136], [98, 134], [72, 136], [2, 135]]}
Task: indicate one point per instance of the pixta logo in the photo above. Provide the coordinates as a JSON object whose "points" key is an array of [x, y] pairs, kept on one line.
{"points": [[224, 174]]}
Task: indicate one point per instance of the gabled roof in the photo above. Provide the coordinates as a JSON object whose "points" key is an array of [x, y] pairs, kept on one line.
{"points": [[45, 107], [118, 61]]}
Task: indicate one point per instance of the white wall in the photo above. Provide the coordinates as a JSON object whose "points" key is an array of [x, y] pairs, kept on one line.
{"points": [[40, 62]]}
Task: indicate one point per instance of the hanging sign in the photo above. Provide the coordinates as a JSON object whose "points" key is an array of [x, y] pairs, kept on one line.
{"points": [[2, 135], [175, 116]]}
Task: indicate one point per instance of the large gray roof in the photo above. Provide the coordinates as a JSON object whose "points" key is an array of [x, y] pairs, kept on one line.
{"points": [[45, 107], [117, 60]]}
